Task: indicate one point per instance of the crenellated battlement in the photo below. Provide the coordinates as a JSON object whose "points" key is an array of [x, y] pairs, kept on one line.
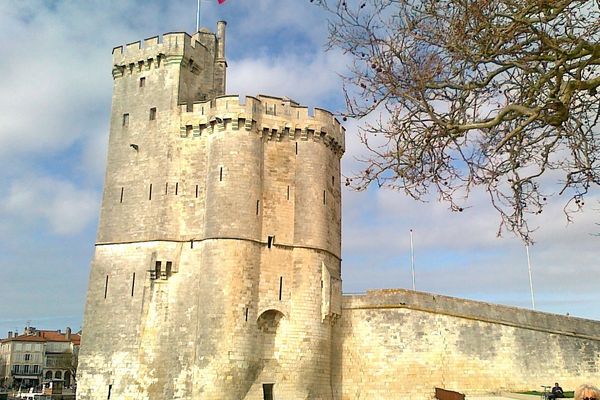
{"points": [[173, 47], [275, 118]]}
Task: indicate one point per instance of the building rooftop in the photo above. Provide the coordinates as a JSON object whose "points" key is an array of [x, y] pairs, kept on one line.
{"points": [[42, 335]]}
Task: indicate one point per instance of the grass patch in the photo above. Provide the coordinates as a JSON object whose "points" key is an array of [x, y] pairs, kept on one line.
{"points": [[568, 395]]}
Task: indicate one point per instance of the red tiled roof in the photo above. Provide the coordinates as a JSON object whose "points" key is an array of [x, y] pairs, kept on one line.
{"points": [[25, 338], [46, 336]]}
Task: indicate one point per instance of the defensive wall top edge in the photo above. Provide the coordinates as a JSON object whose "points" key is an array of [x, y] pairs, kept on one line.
{"points": [[474, 310], [276, 114], [168, 44]]}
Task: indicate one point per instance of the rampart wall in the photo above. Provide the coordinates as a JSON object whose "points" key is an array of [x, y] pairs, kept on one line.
{"points": [[403, 344]]}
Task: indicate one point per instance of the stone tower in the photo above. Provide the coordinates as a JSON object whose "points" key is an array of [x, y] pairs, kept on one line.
{"points": [[216, 273]]}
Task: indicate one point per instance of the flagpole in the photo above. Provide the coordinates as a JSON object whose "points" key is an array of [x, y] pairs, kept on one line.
{"points": [[530, 281], [198, 17], [412, 260]]}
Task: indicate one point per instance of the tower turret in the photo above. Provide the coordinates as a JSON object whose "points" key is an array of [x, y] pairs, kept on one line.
{"points": [[217, 266]]}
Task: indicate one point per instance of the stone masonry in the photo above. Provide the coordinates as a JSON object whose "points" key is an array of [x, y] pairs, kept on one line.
{"points": [[217, 263], [216, 273]]}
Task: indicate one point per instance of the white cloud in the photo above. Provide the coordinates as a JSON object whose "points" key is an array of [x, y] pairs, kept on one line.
{"points": [[292, 75], [64, 207]]}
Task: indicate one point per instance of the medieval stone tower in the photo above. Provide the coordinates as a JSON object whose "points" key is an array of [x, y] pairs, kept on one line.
{"points": [[216, 273]]}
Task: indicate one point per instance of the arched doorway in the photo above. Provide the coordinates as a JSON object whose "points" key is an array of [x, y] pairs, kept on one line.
{"points": [[270, 324]]}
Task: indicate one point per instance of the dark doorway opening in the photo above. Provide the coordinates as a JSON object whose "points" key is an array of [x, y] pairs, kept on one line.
{"points": [[268, 391]]}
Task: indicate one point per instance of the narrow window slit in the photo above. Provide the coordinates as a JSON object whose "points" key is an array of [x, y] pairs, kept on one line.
{"points": [[176, 188], [221, 175], [167, 188], [296, 148], [132, 284], [288, 192], [246, 314], [152, 115], [270, 241], [192, 244], [169, 268], [109, 390], [150, 193], [125, 119], [196, 191], [333, 180], [324, 196], [280, 286], [120, 201], [106, 286], [257, 206], [142, 82]]}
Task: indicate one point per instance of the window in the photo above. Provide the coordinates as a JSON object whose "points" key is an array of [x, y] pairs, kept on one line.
{"points": [[27, 357], [189, 130], [125, 119], [25, 369], [268, 391], [142, 81], [270, 241], [16, 369], [152, 113], [169, 268], [157, 269], [36, 369]]}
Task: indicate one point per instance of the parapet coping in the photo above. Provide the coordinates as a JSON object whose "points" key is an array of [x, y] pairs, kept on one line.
{"points": [[473, 310]]}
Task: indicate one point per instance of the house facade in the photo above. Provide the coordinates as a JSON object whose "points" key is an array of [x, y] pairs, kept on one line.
{"points": [[37, 356]]}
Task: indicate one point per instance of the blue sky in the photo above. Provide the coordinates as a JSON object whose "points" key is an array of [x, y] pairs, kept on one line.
{"points": [[55, 102]]}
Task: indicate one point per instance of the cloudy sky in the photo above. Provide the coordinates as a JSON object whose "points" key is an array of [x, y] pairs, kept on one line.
{"points": [[55, 102]]}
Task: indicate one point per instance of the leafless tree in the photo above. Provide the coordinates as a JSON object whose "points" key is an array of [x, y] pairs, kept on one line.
{"points": [[498, 94]]}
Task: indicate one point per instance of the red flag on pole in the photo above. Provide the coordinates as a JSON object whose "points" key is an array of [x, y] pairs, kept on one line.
{"points": [[221, 1]]}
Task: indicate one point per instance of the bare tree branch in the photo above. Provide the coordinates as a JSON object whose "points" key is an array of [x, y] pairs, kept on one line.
{"points": [[499, 94]]}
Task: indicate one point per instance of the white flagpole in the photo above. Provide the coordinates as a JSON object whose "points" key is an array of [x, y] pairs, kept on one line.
{"points": [[412, 259], [198, 17], [530, 281]]}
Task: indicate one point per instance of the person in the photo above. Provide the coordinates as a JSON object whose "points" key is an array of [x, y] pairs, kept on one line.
{"points": [[557, 392], [587, 392]]}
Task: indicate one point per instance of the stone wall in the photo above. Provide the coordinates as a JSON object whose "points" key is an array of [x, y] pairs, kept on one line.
{"points": [[402, 344]]}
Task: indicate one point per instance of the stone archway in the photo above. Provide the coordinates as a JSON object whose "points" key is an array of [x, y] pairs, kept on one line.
{"points": [[268, 324]]}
